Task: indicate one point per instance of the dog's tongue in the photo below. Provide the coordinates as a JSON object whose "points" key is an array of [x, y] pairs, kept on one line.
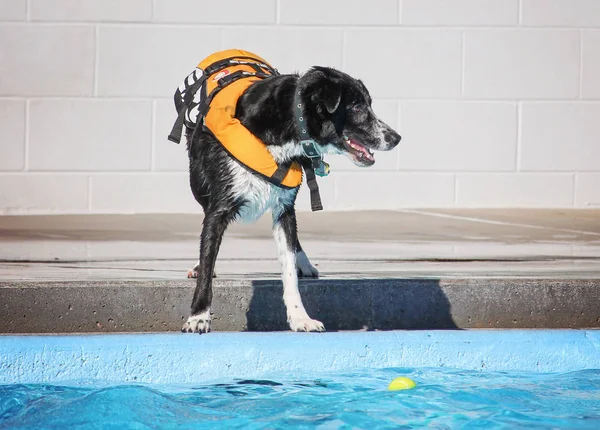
{"points": [[358, 147]]}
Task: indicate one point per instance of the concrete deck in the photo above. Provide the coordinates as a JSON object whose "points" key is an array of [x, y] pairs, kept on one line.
{"points": [[380, 270]]}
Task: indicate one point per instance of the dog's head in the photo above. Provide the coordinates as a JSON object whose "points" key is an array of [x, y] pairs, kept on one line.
{"points": [[338, 110]]}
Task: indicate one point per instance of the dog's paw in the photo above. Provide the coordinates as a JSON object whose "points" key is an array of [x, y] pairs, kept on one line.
{"points": [[304, 268], [306, 324], [197, 323], [193, 273]]}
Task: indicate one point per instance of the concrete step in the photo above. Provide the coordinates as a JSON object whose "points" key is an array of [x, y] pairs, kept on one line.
{"points": [[341, 304]]}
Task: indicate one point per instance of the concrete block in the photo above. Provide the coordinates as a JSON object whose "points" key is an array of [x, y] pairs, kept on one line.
{"points": [[35, 61], [560, 137], [150, 61], [289, 49], [463, 136], [71, 135], [514, 190], [205, 11], [382, 190], [339, 12], [460, 12], [515, 64], [418, 63], [35, 193], [91, 10], [12, 134], [590, 64], [143, 193], [341, 304], [587, 190], [13, 10], [561, 13]]}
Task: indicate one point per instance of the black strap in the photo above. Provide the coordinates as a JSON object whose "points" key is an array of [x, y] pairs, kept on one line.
{"points": [[315, 159], [177, 130], [311, 181], [217, 66], [188, 98], [281, 172]]}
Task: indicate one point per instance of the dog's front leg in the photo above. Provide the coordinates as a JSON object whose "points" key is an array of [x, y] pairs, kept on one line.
{"points": [[210, 241], [286, 239]]}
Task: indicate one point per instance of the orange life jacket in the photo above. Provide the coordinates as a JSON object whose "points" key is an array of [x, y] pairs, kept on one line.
{"points": [[208, 97]]}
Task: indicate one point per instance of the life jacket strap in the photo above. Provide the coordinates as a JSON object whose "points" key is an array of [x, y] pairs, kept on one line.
{"points": [[313, 186], [177, 130], [188, 99], [281, 172]]}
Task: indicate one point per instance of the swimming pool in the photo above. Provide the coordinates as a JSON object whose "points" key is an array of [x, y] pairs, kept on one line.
{"points": [[334, 380], [443, 398]]}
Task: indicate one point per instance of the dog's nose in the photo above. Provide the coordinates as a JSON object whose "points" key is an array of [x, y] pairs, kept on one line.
{"points": [[392, 138]]}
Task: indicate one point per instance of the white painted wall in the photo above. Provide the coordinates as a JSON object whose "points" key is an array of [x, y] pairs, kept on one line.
{"points": [[498, 101]]}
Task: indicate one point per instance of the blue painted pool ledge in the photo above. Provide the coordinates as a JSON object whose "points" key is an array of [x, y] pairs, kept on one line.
{"points": [[183, 358]]}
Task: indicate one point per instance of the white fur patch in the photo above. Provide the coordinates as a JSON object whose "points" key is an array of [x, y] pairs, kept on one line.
{"points": [[297, 317], [259, 195], [285, 152], [198, 323]]}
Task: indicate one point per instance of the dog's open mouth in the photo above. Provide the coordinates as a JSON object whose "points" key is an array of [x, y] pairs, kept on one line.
{"points": [[359, 153]]}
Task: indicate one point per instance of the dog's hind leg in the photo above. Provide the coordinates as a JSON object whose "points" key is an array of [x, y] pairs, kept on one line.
{"points": [[303, 266], [286, 239], [213, 229]]}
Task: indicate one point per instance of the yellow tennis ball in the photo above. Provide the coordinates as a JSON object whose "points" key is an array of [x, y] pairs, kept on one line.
{"points": [[401, 383]]}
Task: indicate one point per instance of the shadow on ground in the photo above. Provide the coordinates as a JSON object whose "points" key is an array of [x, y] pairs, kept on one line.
{"points": [[373, 304]]}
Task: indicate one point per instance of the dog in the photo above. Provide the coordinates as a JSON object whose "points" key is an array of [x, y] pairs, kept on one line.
{"points": [[339, 118]]}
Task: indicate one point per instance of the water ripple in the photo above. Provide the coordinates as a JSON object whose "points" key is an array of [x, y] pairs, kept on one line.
{"points": [[443, 399]]}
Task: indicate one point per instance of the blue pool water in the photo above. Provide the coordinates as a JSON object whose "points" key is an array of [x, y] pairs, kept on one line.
{"points": [[442, 399]]}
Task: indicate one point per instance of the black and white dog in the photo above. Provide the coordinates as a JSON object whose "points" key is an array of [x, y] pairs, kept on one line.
{"points": [[339, 117]]}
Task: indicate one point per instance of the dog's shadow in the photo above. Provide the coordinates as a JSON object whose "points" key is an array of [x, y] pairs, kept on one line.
{"points": [[356, 304]]}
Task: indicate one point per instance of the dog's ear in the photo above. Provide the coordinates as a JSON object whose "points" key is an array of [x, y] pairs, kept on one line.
{"points": [[324, 88], [332, 96]]}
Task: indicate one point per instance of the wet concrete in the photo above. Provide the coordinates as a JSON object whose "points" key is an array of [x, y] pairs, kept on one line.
{"points": [[379, 270]]}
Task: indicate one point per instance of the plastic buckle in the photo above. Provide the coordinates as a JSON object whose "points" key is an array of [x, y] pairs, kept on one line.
{"points": [[309, 148]]}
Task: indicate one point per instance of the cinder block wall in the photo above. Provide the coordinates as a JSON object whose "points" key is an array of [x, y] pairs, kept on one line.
{"points": [[497, 100]]}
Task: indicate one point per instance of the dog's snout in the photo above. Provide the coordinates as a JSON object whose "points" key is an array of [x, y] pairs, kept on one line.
{"points": [[392, 138]]}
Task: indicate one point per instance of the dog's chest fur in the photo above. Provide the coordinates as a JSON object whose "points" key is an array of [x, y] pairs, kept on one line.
{"points": [[259, 196]]}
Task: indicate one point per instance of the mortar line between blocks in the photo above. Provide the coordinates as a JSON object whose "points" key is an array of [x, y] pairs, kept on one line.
{"points": [[455, 189], [519, 133], [149, 98], [575, 181], [580, 64], [399, 15], [463, 62], [313, 26], [277, 12], [89, 189], [343, 49], [27, 127], [28, 11], [96, 58], [153, 137], [520, 13]]}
